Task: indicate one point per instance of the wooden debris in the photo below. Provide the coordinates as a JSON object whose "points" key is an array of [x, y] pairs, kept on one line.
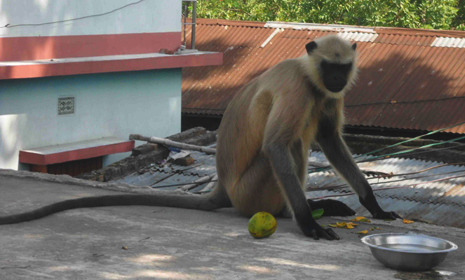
{"points": [[167, 142], [210, 185], [198, 182], [166, 51], [186, 161], [144, 149]]}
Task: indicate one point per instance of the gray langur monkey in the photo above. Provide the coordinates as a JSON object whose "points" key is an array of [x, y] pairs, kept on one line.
{"points": [[263, 143]]}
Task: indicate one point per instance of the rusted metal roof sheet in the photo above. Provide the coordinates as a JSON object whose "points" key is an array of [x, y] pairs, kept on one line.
{"points": [[409, 79], [406, 40]]}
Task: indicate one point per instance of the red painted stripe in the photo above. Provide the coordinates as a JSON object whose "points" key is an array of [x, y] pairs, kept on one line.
{"points": [[74, 68], [36, 48], [33, 158]]}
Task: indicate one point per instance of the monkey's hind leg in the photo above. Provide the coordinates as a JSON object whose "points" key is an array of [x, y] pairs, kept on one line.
{"points": [[256, 190], [331, 207]]}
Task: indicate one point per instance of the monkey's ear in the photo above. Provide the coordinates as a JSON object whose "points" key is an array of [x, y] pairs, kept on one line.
{"points": [[310, 47], [354, 46]]}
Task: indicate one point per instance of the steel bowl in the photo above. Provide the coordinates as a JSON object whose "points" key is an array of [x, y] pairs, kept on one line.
{"points": [[408, 251]]}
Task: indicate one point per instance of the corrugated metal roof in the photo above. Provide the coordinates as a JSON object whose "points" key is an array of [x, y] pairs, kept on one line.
{"points": [[318, 26], [406, 80], [358, 36], [441, 202], [449, 42]]}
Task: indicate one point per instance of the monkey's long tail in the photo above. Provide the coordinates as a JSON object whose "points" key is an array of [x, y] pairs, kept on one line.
{"points": [[215, 200]]}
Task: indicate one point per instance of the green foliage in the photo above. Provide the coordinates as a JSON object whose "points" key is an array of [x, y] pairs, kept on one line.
{"points": [[431, 14], [437, 14], [459, 21]]}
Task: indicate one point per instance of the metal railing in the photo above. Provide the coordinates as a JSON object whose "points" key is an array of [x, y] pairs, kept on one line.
{"points": [[186, 4]]}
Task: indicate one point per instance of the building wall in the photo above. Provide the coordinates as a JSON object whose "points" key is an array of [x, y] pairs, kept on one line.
{"points": [[88, 17], [109, 104], [51, 29]]}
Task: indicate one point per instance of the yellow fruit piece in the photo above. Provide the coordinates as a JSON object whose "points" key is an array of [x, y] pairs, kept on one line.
{"points": [[407, 221], [348, 225], [351, 225], [361, 219], [363, 232], [262, 225]]}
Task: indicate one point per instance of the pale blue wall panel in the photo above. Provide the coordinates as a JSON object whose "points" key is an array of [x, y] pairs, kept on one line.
{"points": [[109, 104]]}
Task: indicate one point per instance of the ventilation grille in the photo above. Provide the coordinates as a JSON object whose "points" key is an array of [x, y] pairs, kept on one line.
{"points": [[65, 105]]}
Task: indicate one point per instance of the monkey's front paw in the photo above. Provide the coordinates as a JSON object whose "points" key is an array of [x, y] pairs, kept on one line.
{"points": [[317, 231], [387, 216]]}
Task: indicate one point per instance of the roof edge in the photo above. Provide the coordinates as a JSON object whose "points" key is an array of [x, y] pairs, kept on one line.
{"points": [[337, 27], [203, 112], [319, 26], [208, 21], [420, 32]]}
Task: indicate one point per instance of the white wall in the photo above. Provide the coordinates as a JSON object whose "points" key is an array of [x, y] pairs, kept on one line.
{"points": [[111, 104], [139, 17]]}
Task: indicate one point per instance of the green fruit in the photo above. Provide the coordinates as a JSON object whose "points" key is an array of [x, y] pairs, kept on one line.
{"points": [[262, 225]]}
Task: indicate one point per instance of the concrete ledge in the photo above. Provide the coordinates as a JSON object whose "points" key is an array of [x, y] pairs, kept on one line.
{"points": [[105, 64], [75, 151]]}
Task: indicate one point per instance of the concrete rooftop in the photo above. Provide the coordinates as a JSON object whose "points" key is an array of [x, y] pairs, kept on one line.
{"points": [[166, 243]]}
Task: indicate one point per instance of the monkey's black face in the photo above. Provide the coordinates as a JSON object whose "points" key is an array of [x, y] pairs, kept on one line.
{"points": [[335, 75]]}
